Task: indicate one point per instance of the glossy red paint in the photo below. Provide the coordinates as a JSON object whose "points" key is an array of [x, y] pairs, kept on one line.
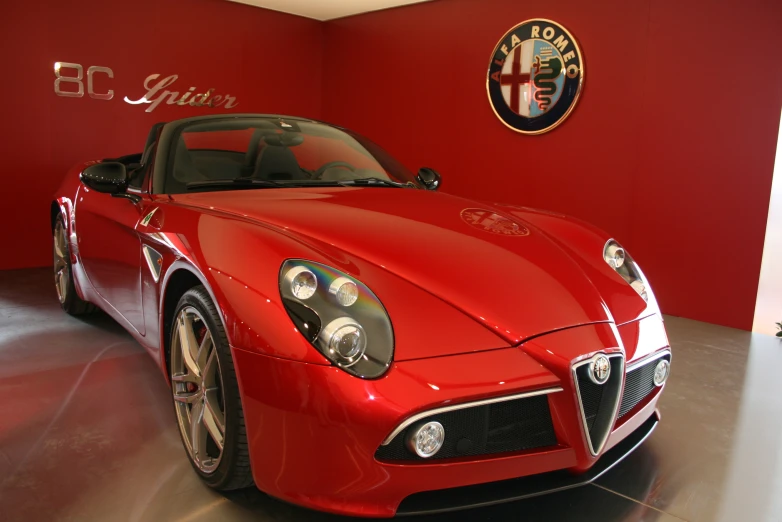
{"points": [[663, 168], [475, 314], [352, 417], [420, 237]]}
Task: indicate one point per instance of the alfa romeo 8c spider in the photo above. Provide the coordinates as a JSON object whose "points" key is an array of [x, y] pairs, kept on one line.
{"points": [[341, 335]]}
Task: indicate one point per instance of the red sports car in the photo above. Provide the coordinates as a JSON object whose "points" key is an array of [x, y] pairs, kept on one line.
{"points": [[343, 336]]}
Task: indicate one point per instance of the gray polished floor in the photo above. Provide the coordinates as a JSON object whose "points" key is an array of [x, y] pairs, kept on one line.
{"points": [[87, 432]]}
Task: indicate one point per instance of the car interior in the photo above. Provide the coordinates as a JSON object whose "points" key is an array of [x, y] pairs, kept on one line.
{"points": [[269, 151], [256, 150]]}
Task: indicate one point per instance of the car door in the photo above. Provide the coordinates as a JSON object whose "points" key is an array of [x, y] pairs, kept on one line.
{"points": [[110, 249]]}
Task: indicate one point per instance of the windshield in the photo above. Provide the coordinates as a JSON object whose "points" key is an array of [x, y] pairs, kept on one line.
{"points": [[240, 153]]}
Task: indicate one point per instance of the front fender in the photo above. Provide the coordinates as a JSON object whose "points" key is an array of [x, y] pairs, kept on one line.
{"points": [[585, 243], [239, 260]]}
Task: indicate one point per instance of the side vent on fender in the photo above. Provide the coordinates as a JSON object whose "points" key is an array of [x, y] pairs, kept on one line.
{"points": [[154, 261]]}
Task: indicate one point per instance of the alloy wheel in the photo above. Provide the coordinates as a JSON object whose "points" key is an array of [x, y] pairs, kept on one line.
{"points": [[198, 389], [61, 272]]}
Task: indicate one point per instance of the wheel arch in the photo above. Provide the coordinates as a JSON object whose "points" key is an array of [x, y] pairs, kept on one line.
{"points": [[60, 206], [180, 277], [55, 211]]}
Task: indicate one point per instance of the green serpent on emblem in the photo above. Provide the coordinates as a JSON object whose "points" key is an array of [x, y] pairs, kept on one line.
{"points": [[545, 74]]}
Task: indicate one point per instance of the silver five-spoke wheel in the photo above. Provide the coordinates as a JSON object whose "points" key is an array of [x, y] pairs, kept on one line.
{"points": [[198, 389]]}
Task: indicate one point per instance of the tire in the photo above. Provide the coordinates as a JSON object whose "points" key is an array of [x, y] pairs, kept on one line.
{"points": [[63, 273], [206, 394]]}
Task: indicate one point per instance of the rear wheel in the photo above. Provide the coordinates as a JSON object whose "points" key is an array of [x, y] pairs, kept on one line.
{"points": [[63, 275], [206, 394]]}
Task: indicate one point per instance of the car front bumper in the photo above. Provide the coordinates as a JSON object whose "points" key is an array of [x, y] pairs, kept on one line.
{"points": [[481, 495], [314, 430]]}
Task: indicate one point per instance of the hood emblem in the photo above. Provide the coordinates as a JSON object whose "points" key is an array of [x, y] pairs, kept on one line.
{"points": [[599, 369], [492, 222]]}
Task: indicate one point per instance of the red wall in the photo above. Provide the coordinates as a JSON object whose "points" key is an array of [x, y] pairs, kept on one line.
{"points": [[670, 148], [271, 62]]}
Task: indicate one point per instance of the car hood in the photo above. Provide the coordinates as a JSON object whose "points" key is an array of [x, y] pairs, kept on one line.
{"points": [[498, 269]]}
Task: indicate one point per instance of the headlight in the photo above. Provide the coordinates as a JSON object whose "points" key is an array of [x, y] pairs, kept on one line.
{"points": [[344, 291], [614, 254], [302, 282], [339, 315], [618, 259], [345, 339]]}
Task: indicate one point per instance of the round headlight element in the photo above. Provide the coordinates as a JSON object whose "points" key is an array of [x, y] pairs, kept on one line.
{"points": [[302, 281], [639, 287], [426, 440], [344, 291], [346, 340], [614, 255], [661, 372], [339, 315]]}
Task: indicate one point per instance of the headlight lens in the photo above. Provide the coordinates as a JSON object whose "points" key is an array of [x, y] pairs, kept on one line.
{"points": [[344, 291], [302, 282], [339, 315], [618, 259], [346, 340], [614, 255]]}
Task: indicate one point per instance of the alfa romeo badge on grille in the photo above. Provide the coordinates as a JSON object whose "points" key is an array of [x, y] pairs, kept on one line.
{"points": [[599, 369]]}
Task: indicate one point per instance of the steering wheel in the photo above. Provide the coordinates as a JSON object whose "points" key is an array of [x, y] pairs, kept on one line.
{"points": [[323, 168]]}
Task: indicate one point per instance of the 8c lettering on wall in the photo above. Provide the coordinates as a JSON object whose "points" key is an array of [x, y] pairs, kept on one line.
{"points": [[156, 89]]}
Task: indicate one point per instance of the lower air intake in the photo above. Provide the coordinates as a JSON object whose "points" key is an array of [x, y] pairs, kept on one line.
{"points": [[639, 383], [488, 429]]}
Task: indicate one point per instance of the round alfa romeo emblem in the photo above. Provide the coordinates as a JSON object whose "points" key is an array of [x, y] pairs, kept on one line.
{"points": [[599, 369], [535, 76], [489, 221]]}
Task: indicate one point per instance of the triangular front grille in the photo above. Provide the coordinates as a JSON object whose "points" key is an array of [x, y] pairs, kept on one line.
{"points": [[598, 402]]}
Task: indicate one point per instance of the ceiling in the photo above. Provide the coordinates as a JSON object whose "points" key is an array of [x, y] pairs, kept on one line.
{"points": [[327, 9]]}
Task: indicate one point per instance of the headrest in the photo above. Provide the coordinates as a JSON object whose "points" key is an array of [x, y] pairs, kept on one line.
{"points": [[182, 158]]}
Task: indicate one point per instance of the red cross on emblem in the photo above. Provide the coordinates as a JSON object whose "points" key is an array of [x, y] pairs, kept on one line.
{"points": [[515, 79]]}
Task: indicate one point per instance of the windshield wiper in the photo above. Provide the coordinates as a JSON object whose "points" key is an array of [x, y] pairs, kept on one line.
{"points": [[237, 183], [374, 181], [246, 183]]}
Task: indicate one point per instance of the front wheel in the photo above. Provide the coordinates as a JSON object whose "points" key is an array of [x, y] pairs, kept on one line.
{"points": [[206, 394]]}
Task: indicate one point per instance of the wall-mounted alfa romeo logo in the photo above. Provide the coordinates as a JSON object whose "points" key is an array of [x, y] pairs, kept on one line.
{"points": [[535, 76]]}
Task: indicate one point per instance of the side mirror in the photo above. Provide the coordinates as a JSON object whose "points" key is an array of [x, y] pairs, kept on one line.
{"points": [[109, 177], [429, 178]]}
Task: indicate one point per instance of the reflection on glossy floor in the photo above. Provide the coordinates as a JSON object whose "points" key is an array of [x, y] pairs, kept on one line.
{"points": [[87, 432]]}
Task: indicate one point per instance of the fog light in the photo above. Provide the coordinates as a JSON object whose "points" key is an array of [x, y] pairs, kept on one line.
{"points": [[661, 372], [426, 439]]}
